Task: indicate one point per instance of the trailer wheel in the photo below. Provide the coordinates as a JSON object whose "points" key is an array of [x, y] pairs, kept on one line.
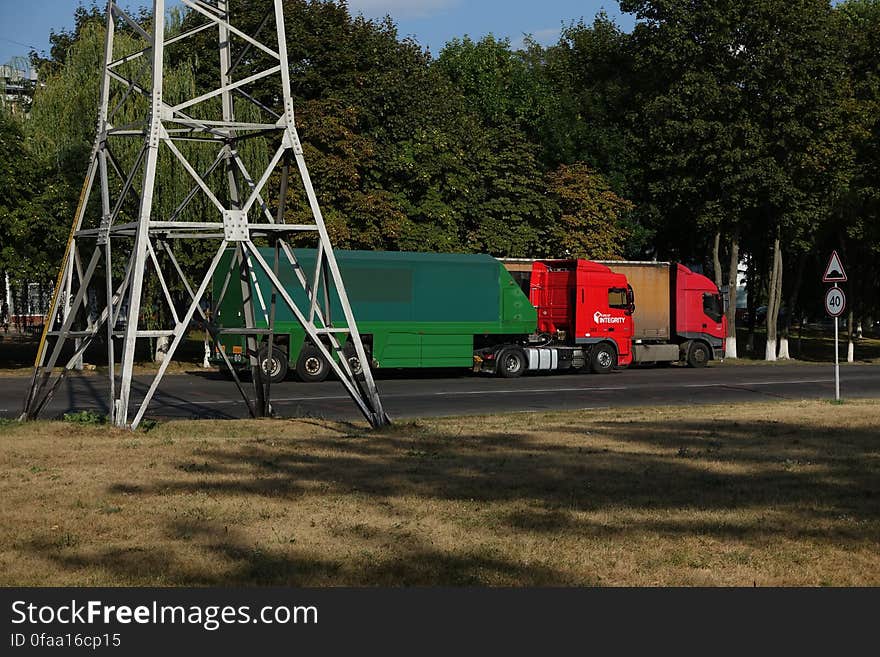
{"points": [[603, 358], [353, 361], [276, 367], [698, 355], [311, 366], [511, 363]]}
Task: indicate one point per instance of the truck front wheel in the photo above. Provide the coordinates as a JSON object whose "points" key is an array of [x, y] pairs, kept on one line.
{"points": [[311, 366], [603, 359], [698, 355], [511, 363]]}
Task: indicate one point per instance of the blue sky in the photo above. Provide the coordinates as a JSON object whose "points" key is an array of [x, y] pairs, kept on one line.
{"points": [[26, 23]]}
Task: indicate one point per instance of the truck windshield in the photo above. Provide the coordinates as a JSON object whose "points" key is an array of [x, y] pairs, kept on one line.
{"points": [[712, 307]]}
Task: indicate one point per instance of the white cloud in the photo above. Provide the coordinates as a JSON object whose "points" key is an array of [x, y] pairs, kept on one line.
{"points": [[401, 8]]}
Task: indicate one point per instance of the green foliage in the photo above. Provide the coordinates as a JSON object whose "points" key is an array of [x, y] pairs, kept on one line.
{"points": [[147, 425], [743, 121], [590, 223], [757, 118], [499, 85], [27, 239], [85, 418]]}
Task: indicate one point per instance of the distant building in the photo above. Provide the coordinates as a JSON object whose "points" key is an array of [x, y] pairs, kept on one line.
{"points": [[17, 84]]}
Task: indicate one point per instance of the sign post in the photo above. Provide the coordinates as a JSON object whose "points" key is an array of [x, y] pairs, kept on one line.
{"points": [[835, 304]]}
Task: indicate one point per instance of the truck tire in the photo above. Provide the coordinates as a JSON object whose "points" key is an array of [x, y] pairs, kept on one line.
{"points": [[511, 363], [276, 367], [311, 367], [353, 361], [698, 355], [603, 358]]}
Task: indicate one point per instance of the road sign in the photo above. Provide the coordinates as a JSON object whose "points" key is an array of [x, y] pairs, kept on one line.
{"points": [[835, 302], [834, 272]]}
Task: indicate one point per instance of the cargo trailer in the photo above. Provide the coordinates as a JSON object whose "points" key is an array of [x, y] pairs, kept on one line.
{"points": [[434, 310]]}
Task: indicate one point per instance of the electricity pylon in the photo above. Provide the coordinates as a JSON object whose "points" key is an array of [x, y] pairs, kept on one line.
{"points": [[123, 226]]}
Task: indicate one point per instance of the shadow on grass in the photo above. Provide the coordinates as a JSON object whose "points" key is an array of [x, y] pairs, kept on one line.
{"points": [[241, 562], [637, 476], [787, 463]]}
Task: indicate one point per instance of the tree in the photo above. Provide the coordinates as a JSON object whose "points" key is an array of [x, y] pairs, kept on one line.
{"points": [[591, 88], [797, 88], [694, 131], [854, 227], [20, 182], [740, 126], [590, 220], [500, 85]]}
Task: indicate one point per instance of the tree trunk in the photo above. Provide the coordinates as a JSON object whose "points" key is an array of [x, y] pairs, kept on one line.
{"points": [[716, 258], [162, 345], [774, 294], [792, 305], [752, 289], [7, 302], [850, 347], [732, 274], [783, 345]]}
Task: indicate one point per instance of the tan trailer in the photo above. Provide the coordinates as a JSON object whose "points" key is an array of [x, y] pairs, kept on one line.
{"points": [[651, 284], [654, 326]]}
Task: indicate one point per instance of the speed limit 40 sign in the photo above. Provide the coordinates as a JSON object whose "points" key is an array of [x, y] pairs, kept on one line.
{"points": [[835, 302]]}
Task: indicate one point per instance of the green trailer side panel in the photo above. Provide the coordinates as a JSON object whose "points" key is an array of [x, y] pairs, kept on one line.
{"points": [[447, 350], [419, 309], [229, 314], [406, 287], [396, 349]]}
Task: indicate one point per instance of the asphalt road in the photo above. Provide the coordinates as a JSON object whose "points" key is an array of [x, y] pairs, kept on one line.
{"points": [[208, 395]]}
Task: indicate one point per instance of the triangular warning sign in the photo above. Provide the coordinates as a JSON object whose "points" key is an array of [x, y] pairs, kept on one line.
{"points": [[834, 272]]}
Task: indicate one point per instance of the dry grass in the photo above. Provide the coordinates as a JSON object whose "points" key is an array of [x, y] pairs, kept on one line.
{"points": [[769, 494]]}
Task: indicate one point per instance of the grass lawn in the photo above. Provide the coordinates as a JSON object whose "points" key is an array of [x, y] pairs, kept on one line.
{"points": [[769, 494], [810, 346]]}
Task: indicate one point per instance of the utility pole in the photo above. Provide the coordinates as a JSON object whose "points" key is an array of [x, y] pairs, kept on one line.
{"points": [[146, 244]]}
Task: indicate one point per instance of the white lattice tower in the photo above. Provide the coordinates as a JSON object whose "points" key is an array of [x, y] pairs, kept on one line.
{"points": [[137, 238]]}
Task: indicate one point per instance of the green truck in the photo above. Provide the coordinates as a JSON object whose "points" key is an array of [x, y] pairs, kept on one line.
{"points": [[414, 310]]}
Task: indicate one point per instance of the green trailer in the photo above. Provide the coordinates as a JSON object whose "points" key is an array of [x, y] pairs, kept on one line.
{"points": [[414, 310]]}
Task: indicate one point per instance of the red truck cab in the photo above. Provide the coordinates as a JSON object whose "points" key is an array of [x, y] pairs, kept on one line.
{"points": [[583, 303], [698, 310]]}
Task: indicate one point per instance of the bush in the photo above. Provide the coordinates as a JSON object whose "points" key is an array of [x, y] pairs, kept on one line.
{"points": [[89, 418]]}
